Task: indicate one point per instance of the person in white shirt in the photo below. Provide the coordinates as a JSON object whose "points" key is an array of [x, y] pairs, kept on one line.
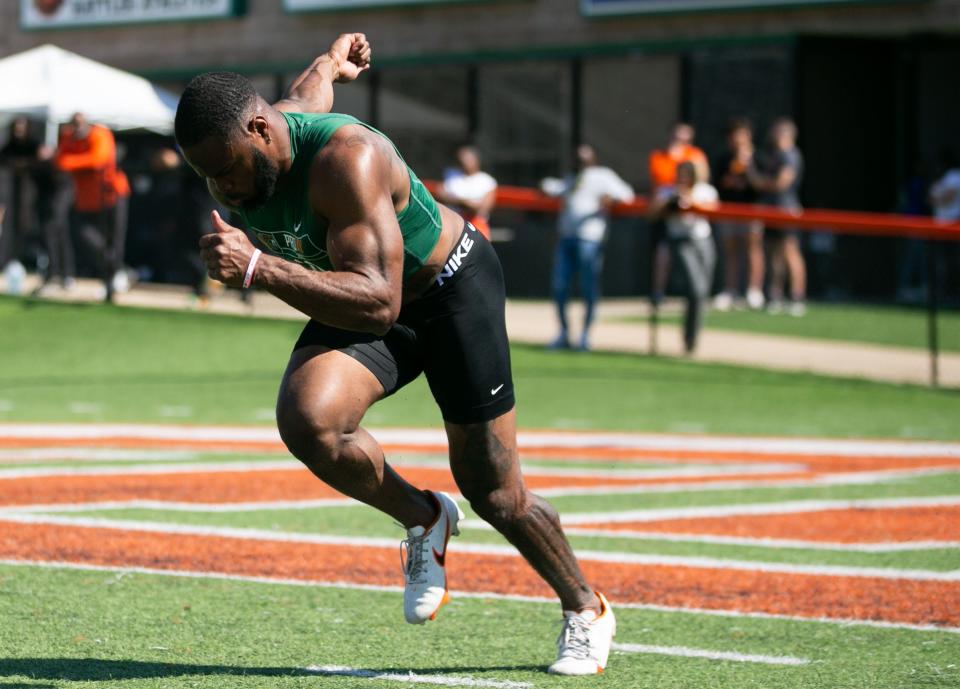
{"points": [[689, 233], [582, 225], [468, 190], [945, 192]]}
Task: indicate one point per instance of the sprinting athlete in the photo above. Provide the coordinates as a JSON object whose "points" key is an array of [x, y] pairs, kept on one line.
{"points": [[394, 285]]}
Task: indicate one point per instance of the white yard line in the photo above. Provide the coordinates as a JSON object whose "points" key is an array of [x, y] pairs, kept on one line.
{"points": [[344, 585], [760, 508], [152, 469], [91, 454], [155, 466], [879, 547], [489, 549], [854, 478], [844, 479], [174, 506], [415, 678], [684, 652], [526, 439]]}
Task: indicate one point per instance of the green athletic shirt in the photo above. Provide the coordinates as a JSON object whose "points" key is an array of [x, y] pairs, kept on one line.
{"points": [[288, 226]]}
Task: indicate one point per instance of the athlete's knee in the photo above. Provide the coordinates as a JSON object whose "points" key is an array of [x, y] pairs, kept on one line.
{"points": [[499, 506], [313, 433]]}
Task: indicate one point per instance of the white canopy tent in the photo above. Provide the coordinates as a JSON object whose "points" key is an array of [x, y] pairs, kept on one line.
{"points": [[50, 84]]}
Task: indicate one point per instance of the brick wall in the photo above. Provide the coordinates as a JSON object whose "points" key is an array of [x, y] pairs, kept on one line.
{"points": [[268, 36]]}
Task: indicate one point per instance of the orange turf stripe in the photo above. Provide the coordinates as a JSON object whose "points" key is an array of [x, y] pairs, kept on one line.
{"points": [[261, 486], [907, 601], [831, 463], [873, 525]]}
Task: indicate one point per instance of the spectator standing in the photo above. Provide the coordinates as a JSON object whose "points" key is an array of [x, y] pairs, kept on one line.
{"points": [[776, 176], [54, 199], [469, 190], [739, 237], [688, 234], [945, 191], [89, 153], [663, 174], [19, 155], [582, 227]]}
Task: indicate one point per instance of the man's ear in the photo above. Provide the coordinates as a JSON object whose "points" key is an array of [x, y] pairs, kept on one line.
{"points": [[259, 127]]}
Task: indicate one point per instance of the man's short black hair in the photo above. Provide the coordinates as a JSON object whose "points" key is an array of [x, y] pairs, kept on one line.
{"points": [[213, 104]]}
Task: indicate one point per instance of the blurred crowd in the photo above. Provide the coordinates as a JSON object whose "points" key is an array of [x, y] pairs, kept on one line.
{"points": [[67, 206], [66, 210]]}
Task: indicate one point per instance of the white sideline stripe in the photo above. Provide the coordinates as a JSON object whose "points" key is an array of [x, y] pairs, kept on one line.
{"points": [[617, 489], [155, 467], [92, 454], [188, 468], [526, 439], [735, 614], [879, 547], [489, 549], [759, 508], [684, 652], [205, 507], [845, 479], [414, 678], [254, 506], [667, 472]]}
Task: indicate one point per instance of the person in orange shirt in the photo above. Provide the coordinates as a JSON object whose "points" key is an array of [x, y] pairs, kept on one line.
{"points": [[89, 153], [663, 174]]}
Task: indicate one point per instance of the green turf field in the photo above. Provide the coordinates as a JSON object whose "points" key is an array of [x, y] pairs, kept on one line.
{"points": [[884, 325], [89, 604], [97, 363], [137, 631]]}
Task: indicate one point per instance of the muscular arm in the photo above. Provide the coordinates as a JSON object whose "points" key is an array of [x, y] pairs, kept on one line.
{"points": [[350, 187], [312, 91]]}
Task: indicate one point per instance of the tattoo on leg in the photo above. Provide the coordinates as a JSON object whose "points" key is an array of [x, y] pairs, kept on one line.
{"points": [[488, 475]]}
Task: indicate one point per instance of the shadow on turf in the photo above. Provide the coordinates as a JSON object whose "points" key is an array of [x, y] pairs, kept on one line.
{"points": [[95, 669]]}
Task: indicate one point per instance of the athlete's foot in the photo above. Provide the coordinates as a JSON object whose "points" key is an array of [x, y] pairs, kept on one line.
{"points": [[584, 642], [424, 568]]}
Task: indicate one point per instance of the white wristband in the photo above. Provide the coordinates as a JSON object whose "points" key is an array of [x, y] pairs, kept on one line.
{"points": [[251, 267]]}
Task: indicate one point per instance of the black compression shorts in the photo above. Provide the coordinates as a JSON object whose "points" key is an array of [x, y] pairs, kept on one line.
{"points": [[455, 333]]}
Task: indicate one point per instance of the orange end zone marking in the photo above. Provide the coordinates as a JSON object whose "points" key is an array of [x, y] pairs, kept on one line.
{"points": [[872, 525], [270, 485], [820, 463], [907, 601]]}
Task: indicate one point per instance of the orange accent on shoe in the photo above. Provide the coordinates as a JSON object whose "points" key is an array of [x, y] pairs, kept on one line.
{"points": [[443, 601]]}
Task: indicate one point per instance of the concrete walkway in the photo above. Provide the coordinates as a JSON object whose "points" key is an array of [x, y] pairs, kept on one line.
{"points": [[534, 322]]}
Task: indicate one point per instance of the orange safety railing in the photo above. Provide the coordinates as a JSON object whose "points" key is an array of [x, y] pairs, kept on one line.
{"points": [[810, 219], [814, 219]]}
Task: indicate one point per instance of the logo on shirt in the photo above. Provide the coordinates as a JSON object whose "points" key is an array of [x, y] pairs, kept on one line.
{"points": [[294, 246]]}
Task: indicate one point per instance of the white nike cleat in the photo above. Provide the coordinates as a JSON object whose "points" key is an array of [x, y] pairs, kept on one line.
{"points": [[584, 642], [424, 565]]}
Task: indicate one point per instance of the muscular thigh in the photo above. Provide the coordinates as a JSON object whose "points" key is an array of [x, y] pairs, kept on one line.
{"points": [[325, 388]]}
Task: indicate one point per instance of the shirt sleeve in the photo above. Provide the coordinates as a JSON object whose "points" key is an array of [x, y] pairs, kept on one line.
{"points": [[618, 189]]}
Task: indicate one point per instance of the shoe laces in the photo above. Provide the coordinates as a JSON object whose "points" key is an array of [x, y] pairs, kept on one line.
{"points": [[574, 639], [413, 563]]}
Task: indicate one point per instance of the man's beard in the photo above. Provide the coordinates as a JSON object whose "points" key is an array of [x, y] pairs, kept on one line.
{"points": [[265, 176]]}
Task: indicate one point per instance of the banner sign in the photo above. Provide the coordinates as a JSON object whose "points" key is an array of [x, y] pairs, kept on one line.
{"points": [[341, 5], [56, 14], [614, 7]]}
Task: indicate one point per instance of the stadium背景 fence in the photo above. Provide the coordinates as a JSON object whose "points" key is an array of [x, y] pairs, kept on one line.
{"points": [[811, 219]]}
